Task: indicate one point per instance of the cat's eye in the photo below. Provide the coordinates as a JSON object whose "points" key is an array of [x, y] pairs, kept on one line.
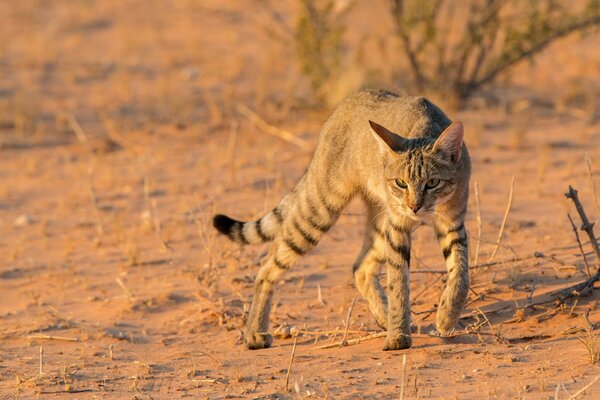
{"points": [[401, 184], [432, 183]]}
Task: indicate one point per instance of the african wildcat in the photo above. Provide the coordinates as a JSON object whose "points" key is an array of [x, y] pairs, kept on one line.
{"points": [[414, 170]]}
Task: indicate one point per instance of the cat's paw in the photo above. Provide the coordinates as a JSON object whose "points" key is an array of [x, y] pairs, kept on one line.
{"points": [[397, 342], [445, 324], [258, 340]]}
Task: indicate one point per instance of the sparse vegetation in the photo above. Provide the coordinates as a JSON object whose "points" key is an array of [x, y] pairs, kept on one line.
{"points": [[498, 34], [114, 156], [318, 43], [591, 343], [452, 49]]}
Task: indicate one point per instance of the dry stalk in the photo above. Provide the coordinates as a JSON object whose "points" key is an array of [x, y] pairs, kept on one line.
{"points": [[94, 199], [157, 225], [588, 228], [508, 206], [320, 295], [128, 292], [79, 132], [587, 266], [403, 376], [478, 224], [342, 344], [289, 370], [270, 129], [231, 147], [429, 285], [588, 162], [592, 345], [207, 236], [41, 360]]}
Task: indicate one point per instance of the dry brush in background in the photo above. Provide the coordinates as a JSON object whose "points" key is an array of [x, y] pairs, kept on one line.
{"points": [[452, 49]]}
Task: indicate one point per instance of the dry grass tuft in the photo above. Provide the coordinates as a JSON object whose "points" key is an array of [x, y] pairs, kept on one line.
{"points": [[592, 345]]}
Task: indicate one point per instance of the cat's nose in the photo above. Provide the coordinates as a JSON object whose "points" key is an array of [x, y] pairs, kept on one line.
{"points": [[415, 207]]}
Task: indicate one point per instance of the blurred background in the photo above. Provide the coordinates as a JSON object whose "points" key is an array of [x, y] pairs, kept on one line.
{"points": [[126, 124], [188, 63]]}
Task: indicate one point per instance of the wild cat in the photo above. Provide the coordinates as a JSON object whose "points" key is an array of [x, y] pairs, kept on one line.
{"points": [[408, 162]]}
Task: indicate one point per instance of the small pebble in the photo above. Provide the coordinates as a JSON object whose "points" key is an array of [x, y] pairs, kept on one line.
{"points": [[23, 220]]}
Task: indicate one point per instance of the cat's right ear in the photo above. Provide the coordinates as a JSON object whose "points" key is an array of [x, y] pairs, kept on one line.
{"points": [[387, 141]]}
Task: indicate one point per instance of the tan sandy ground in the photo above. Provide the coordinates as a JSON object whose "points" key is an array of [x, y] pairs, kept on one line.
{"points": [[109, 265]]}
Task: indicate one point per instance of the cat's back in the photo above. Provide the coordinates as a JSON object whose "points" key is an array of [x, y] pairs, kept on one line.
{"points": [[409, 116]]}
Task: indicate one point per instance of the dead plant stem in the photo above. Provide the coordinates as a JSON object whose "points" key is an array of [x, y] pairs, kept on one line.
{"points": [[508, 206]]}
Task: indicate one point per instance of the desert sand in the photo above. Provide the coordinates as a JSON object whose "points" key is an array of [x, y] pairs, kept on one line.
{"points": [[121, 135]]}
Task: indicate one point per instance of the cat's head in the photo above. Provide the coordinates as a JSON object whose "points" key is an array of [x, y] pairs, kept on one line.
{"points": [[420, 173]]}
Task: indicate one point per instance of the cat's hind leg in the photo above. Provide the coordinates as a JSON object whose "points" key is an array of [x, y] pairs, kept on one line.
{"points": [[367, 265], [314, 211]]}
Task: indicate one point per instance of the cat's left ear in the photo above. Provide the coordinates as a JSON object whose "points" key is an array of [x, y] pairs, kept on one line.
{"points": [[450, 141]]}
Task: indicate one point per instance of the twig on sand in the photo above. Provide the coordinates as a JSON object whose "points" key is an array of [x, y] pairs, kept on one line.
{"points": [[536, 254], [343, 342], [378, 335], [67, 391], [52, 337], [427, 286], [270, 129], [324, 333], [588, 228], [587, 266], [289, 370], [354, 341], [428, 271], [583, 389], [508, 260], [508, 206]]}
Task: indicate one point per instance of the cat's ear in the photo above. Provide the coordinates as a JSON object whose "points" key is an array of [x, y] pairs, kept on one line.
{"points": [[450, 141], [387, 140]]}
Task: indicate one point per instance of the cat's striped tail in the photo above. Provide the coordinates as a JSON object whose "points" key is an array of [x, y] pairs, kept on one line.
{"points": [[254, 232]]}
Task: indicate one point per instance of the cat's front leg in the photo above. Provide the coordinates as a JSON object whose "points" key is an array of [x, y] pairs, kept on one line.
{"points": [[398, 259], [453, 240]]}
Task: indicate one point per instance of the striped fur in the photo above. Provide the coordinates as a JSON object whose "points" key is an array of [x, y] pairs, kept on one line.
{"points": [[255, 232], [412, 169]]}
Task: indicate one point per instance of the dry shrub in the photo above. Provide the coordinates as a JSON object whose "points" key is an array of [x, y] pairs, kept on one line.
{"points": [[318, 34], [315, 38], [592, 345], [452, 49], [497, 35]]}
